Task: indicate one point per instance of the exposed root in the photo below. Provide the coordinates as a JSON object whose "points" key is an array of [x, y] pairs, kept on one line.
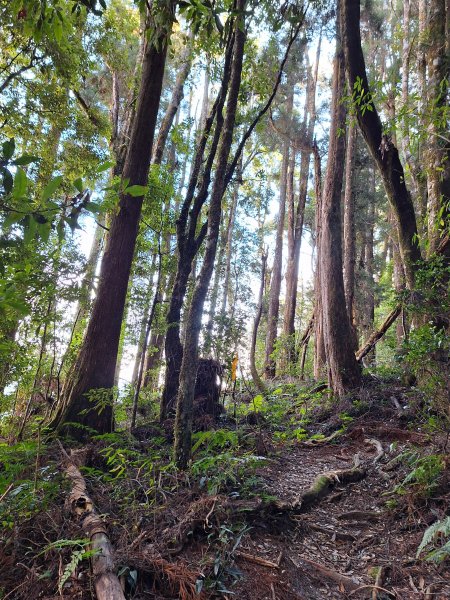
{"points": [[320, 442], [345, 583], [378, 446]]}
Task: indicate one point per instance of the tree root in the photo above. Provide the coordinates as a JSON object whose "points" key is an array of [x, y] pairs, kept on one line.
{"points": [[322, 486], [106, 582], [345, 583]]}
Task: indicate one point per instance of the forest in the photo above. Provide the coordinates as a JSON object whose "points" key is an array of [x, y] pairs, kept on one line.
{"points": [[224, 299]]}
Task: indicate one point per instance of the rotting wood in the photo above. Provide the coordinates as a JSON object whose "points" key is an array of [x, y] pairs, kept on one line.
{"points": [[106, 582], [376, 336]]}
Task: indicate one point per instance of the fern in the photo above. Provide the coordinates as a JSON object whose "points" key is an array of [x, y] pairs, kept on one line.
{"points": [[431, 535], [75, 559]]}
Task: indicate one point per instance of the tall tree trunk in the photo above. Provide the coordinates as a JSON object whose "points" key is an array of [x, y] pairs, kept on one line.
{"points": [[215, 292], [96, 362], [189, 242], [343, 370], [319, 342], [295, 219], [275, 286], [175, 101], [437, 153], [349, 230], [368, 286], [382, 149], [185, 399]]}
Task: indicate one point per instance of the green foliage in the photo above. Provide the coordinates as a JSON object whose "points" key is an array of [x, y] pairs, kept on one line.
{"points": [[80, 552], [26, 491], [224, 573], [438, 536], [220, 462], [423, 480]]}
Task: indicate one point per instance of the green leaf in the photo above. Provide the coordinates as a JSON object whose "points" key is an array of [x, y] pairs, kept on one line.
{"points": [[93, 207], [60, 230], [51, 187], [8, 148], [104, 166], [29, 229], [25, 159], [136, 190], [20, 184], [12, 218], [44, 231], [78, 183]]}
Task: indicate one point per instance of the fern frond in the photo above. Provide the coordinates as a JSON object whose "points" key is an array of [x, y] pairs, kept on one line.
{"points": [[440, 527]]}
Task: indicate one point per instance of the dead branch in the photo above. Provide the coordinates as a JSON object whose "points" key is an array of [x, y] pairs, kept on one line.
{"points": [[376, 336], [257, 560], [375, 588], [106, 582], [359, 515]]}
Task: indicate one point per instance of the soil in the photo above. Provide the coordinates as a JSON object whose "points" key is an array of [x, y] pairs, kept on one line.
{"points": [[358, 540]]}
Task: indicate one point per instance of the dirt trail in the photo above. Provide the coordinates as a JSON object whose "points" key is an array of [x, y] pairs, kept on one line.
{"points": [[337, 547]]}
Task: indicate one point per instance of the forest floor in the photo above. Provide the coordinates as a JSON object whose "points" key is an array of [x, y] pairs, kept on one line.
{"points": [[337, 513]]}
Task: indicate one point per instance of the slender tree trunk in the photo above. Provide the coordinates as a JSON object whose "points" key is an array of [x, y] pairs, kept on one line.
{"points": [[175, 101], [349, 230], [343, 370], [259, 309], [382, 149], [369, 299], [295, 226], [275, 287], [215, 292], [319, 342], [95, 366], [148, 326], [189, 242], [185, 400]]}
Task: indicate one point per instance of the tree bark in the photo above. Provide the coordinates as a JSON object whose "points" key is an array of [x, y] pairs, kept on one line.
{"points": [[259, 309], [175, 101], [106, 582], [296, 218], [437, 149], [343, 369], [96, 362], [185, 399], [381, 147], [319, 342], [189, 242], [275, 286], [349, 230]]}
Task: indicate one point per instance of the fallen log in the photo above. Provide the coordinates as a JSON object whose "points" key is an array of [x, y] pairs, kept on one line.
{"points": [[106, 582], [379, 333]]}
